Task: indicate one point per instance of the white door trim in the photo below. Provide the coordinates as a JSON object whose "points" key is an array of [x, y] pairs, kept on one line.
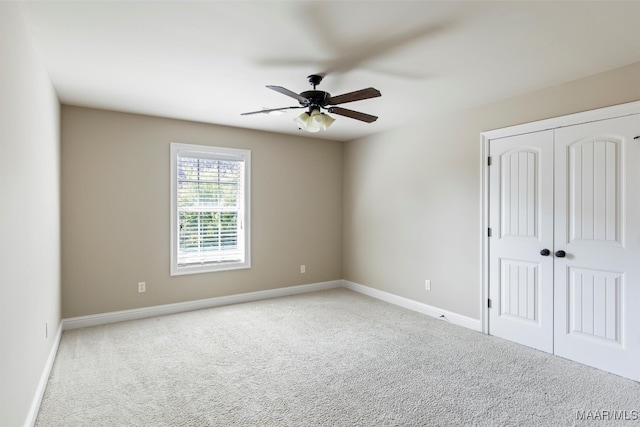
{"points": [[605, 113]]}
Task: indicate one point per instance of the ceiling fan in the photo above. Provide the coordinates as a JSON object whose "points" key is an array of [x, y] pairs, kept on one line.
{"points": [[314, 119]]}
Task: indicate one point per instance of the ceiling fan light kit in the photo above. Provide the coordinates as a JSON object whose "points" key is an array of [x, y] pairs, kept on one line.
{"points": [[314, 120]]}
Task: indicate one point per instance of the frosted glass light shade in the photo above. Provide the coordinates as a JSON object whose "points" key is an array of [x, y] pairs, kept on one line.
{"points": [[302, 120], [314, 122]]}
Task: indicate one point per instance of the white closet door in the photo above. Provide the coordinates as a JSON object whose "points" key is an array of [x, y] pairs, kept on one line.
{"points": [[521, 206], [597, 225]]}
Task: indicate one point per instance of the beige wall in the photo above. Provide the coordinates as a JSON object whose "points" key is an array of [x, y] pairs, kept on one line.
{"points": [[412, 196], [29, 217], [115, 211]]}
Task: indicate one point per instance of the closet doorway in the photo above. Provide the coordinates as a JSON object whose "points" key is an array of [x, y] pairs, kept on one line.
{"points": [[561, 255]]}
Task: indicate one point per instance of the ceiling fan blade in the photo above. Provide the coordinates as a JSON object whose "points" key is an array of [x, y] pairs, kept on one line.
{"points": [[353, 114], [270, 110], [304, 101], [354, 96], [319, 20]]}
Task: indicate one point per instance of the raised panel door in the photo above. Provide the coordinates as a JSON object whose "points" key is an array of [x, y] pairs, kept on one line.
{"points": [[597, 225], [521, 279]]}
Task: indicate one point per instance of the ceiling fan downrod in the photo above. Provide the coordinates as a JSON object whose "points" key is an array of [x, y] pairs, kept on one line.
{"points": [[314, 80]]}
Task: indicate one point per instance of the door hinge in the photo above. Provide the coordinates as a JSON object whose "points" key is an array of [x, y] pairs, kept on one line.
{"points": [[489, 302], [489, 231], [489, 161]]}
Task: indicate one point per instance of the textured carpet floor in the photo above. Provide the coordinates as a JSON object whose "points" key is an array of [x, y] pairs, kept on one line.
{"points": [[332, 358]]}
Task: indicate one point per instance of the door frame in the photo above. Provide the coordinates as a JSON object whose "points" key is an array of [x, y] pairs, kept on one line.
{"points": [[599, 114]]}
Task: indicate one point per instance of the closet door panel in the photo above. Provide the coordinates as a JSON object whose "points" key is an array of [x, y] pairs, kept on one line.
{"points": [[521, 205], [594, 212], [597, 283]]}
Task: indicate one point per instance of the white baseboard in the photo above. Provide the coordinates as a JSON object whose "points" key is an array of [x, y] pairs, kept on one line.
{"points": [[160, 310], [455, 318], [44, 379]]}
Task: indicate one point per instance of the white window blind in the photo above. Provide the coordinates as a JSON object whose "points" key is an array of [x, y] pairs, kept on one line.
{"points": [[210, 220]]}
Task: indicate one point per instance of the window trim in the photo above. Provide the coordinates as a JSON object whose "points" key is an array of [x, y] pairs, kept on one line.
{"points": [[221, 153]]}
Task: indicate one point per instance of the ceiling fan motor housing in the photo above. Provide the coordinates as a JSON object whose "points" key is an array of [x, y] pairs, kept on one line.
{"points": [[316, 98]]}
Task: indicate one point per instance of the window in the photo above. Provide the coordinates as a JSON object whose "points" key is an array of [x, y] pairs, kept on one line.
{"points": [[210, 195]]}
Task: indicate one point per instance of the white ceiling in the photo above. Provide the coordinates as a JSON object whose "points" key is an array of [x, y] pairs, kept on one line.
{"points": [[210, 61]]}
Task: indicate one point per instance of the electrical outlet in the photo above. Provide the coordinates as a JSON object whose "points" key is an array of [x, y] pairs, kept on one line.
{"points": [[303, 268], [427, 285], [142, 286]]}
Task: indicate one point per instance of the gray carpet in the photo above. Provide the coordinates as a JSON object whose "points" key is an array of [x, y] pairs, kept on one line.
{"points": [[331, 358]]}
